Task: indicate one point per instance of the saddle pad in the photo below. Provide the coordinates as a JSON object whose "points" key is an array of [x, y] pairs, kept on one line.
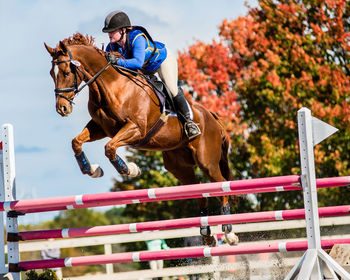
{"points": [[164, 97]]}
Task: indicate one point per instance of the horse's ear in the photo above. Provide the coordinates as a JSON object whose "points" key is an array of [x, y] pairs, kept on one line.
{"points": [[49, 49], [63, 47]]}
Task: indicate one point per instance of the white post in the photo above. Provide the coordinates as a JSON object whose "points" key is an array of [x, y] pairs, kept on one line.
{"points": [[313, 263], [216, 262], [308, 180], [10, 192], [108, 251], [3, 268], [307, 164]]}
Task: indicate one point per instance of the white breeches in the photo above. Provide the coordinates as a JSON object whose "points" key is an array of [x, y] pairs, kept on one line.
{"points": [[168, 72]]}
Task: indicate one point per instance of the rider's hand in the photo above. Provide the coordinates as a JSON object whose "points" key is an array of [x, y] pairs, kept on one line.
{"points": [[112, 58]]}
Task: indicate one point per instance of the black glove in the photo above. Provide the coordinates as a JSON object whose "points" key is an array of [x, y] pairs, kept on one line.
{"points": [[112, 58]]}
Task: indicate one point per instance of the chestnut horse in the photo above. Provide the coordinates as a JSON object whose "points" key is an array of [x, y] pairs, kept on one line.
{"points": [[124, 107]]}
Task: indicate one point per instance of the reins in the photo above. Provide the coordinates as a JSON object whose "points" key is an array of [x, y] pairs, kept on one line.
{"points": [[146, 77], [93, 78]]}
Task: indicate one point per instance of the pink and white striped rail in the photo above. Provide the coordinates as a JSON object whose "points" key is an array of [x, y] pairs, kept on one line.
{"points": [[321, 183], [167, 193], [175, 254], [182, 223]]}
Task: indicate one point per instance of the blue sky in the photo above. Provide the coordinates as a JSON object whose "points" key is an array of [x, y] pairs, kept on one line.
{"points": [[45, 165]]}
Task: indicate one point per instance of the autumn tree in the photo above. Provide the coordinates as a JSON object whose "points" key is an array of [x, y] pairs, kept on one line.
{"points": [[280, 57]]}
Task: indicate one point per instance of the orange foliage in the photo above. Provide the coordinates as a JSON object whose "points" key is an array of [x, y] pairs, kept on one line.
{"points": [[279, 57]]}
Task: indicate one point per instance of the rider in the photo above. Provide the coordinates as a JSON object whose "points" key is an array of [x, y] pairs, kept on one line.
{"points": [[141, 52]]}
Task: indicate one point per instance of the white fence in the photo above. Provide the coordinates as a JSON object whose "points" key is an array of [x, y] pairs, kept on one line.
{"points": [[255, 267]]}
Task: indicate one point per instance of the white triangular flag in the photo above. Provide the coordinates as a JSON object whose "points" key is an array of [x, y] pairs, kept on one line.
{"points": [[321, 130]]}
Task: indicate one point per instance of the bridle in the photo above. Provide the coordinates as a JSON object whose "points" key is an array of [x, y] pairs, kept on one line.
{"points": [[75, 66]]}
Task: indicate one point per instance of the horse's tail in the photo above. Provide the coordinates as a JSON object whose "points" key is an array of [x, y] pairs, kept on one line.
{"points": [[225, 145]]}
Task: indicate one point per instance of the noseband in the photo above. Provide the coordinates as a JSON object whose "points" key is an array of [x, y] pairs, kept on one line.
{"points": [[74, 64]]}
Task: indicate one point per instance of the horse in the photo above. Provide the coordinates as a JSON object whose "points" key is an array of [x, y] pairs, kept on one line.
{"points": [[124, 107]]}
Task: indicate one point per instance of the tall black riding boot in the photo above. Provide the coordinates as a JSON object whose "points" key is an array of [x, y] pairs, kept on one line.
{"points": [[191, 129]]}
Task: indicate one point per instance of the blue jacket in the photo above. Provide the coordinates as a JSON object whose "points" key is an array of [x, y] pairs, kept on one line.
{"points": [[138, 51]]}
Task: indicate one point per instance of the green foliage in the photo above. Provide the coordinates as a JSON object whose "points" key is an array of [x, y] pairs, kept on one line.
{"points": [[153, 172], [47, 274], [79, 218], [281, 56], [153, 176], [116, 216]]}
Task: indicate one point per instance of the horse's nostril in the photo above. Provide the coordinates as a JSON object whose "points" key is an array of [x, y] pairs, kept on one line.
{"points": [[64, 110]]}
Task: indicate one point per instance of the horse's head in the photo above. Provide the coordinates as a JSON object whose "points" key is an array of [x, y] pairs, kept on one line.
{"points": [[65, 74]]}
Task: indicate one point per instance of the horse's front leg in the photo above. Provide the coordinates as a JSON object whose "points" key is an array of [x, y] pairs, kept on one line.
{"points": [[127, 135], [230, 236], [90, 133]]}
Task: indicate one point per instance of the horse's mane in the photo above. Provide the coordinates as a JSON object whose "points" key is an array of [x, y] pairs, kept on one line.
{"points": [[79, 39]]}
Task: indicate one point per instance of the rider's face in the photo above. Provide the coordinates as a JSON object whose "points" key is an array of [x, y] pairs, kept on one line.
{"points": [[115, 36]]}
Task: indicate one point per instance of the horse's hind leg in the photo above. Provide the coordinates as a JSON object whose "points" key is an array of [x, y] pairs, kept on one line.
{"points": [[181, 164], [211, 157], [230, 236], [204, 229], [90, 133]]}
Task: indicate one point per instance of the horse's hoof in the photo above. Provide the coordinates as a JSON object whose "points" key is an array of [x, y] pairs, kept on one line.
{"points": [[134, 170], [231, 238], [96, 171], [205, 231], [210, 241], [227, 228]]}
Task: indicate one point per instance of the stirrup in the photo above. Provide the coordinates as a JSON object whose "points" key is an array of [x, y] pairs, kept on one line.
{"points": [[191, 129]]}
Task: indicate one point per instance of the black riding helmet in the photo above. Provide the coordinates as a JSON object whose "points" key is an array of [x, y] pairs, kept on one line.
{"points": [[116, 20]]}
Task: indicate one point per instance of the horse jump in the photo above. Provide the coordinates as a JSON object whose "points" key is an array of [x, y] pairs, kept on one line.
{"points": [[12, 206], [272, 184]]}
